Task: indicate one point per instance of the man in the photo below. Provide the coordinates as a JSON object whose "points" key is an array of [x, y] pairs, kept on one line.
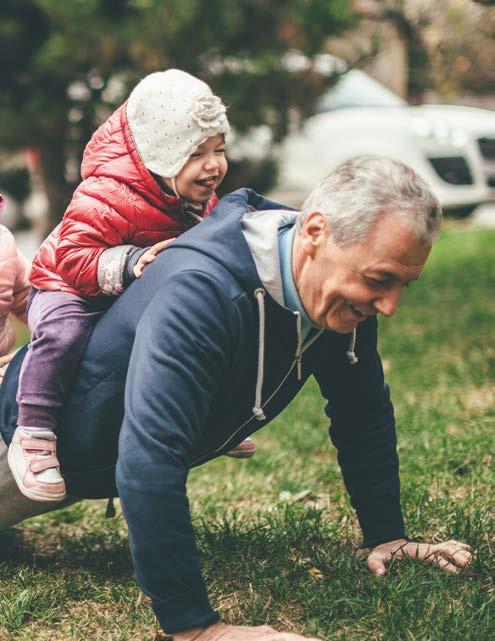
{"points": [[224, 329]]}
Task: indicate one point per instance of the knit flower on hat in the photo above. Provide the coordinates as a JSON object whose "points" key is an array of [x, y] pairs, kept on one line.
{"points": [[208, 111]]}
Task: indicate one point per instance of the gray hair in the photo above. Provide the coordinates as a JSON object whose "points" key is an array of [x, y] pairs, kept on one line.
{"points": [[353, 196]]}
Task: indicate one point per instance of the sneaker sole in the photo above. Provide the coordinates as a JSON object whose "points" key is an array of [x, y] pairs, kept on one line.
{"points": [[241, 454], [39, 497]]}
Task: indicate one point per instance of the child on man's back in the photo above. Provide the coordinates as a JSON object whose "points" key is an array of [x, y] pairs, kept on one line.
{"points": [[149, 174]]}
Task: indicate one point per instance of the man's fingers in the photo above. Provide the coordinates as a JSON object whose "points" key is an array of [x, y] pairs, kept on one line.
{"points": [[459, 556], [445, 563], [376, 565], [225, 632], [463, 558], [457, 545], [443, 558], [449, 556]]}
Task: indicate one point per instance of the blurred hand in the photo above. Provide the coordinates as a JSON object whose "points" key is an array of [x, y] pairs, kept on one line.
{"points": [[225, 632], [149, 256], [4, 361], [450, 556]]}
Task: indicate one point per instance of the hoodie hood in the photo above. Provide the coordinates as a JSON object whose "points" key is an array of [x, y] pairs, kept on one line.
{"points": [[261, 232], [258, 266]]}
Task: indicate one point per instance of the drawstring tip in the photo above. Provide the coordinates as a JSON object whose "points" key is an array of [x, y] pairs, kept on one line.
{"points": [[258, 413], [352, 358], [110, 511]]}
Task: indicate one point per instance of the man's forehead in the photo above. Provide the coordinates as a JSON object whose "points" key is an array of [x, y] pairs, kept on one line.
{"points": [[394, 245], [395, 269]]}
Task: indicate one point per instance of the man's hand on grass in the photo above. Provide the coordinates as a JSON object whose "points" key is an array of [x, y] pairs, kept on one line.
{"points": [[223, 632], [149, 256], [450, 555]]}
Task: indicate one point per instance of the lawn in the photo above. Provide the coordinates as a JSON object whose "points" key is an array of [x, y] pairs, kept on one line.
{"points": [[278, 539]]}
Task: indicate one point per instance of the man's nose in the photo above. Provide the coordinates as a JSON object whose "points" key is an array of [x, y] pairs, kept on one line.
{"points": [[388, 302]]}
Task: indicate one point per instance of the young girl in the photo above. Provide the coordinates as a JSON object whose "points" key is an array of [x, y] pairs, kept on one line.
{"points": [[14, 288], [149, 173]]}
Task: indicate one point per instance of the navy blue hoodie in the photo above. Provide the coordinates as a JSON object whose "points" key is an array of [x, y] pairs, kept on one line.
{"points": [[187, 337]]}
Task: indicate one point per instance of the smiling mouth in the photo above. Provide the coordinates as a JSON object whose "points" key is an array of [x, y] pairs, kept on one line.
{"points": [[207, 183], [359, 314]]}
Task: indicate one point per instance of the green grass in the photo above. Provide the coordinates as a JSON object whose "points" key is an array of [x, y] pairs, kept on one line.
{"points": [[278, 539]]}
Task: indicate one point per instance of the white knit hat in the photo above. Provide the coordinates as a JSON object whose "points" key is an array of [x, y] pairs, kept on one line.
{"points": [[170, 113]]}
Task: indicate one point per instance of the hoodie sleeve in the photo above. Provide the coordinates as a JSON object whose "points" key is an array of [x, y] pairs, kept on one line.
{"points": [[180, 354], [362, 429]]}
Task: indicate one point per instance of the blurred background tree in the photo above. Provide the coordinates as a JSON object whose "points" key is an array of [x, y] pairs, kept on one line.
{"points": [[459, 39], [450, 44], [67, 65]]}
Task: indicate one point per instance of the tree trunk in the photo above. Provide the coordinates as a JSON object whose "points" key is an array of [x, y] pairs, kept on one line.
{"points": [[58, 191]]}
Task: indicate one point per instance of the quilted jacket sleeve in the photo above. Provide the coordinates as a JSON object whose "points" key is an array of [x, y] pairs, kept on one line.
{"points": [[21, 287], [90, 226], [14, 288]]}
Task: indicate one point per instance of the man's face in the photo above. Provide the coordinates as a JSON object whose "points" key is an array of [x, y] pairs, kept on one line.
{"points": [[341, 287]]}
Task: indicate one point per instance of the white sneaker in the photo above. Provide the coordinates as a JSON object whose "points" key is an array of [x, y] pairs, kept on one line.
{"points": [[33, 461]]}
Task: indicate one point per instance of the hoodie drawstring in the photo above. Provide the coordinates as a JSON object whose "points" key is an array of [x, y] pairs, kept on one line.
{"points": [[298, 355], [257, 411], [351, 356], [260, 297]]}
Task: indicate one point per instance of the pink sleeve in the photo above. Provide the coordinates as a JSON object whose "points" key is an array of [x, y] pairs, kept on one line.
{"points": [[14, 288], [7, 336], [21, 287]]}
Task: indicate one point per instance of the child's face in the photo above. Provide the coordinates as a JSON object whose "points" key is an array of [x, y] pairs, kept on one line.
{"points": [[203, 172]]}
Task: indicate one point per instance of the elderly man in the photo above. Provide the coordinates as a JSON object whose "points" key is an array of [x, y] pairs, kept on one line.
{"points": [[222, 331]]}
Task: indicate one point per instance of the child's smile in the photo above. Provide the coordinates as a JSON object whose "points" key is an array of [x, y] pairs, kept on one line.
{"points": [[210, 182], [203, 172]]}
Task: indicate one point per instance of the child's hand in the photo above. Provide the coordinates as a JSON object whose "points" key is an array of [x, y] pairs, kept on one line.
{"points": [[4, 361], [149, 256]]}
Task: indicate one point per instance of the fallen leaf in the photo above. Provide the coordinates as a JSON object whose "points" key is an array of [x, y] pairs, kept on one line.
{"points": [[315, 573]]}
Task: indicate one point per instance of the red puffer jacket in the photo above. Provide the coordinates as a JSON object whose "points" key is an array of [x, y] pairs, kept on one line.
{"points": [[117, 203]]}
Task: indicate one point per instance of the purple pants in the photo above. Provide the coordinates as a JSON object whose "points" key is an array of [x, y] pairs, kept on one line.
{"points": [[60, 324]]}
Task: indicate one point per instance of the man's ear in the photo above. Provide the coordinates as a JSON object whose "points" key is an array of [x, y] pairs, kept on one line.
{"points": [[314, 232]]}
